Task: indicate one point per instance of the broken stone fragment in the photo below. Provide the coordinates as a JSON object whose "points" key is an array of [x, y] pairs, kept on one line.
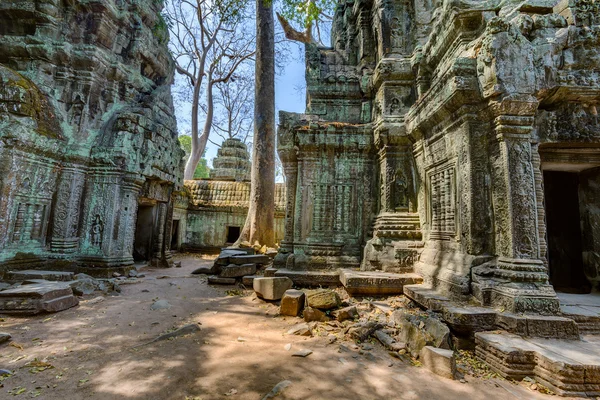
{"points": [[300, 330], [4, 337], [271, 288], [219, 280], [314, 314], [292, 302], [362, 330], [345, 313], [302, 353], [237, 271], [212, 270], [160, 305], [439, 361], [419, 331], [388, 341], [324, 299], [83, 286]]}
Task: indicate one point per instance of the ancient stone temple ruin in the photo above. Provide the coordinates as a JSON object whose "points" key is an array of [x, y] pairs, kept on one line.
{"points": [[89, 157], [457, 139], [212, 212]]}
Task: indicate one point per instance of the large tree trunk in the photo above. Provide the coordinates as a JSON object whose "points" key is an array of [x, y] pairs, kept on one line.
{"points": [[199, 142], [259, 226]]}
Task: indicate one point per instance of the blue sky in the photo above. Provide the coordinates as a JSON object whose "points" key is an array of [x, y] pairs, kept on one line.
{"points": [[287, 97]]}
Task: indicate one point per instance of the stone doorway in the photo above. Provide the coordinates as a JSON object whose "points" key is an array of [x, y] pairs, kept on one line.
{"points": [[144, 233], [233, 233], [175, 235], [564, 232]]}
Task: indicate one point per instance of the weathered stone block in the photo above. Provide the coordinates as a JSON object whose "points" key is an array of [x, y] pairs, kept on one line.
{"points": [[375, 283], [61, 276], [439, 361], [271, 288], [36, 298], [237, 271], [219, 280], [249, 279], [313, 314], [250, 259], [292, 302], [345, 313], [324, 299]]}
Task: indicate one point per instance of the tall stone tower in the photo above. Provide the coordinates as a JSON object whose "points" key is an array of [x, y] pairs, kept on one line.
{"points": [[232, 161]]}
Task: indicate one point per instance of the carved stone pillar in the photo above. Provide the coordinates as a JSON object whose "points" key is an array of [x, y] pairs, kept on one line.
{"points": [[67, 207], [521, 277]]}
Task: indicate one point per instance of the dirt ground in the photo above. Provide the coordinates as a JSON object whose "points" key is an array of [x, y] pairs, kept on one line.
{"points": [[88, 352]]}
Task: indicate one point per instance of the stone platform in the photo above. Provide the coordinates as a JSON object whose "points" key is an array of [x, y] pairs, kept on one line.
{"points": [[37, 297], [584, 309], [568, 367], [465, 320], [376, 283]]}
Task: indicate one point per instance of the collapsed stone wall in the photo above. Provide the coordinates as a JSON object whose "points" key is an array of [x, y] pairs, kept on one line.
{"points": [[87, 132], [457, 107]]}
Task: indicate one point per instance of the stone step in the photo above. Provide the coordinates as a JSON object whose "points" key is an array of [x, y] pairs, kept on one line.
{"points": [[568, 367], [376, 283], [62, 276], [466, 320], [307, 278], [584, 309], [37, 297]]}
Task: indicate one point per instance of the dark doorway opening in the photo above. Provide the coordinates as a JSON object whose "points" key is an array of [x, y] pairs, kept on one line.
{"points": [[175, 235], [233, 233], [144, 233], [561, 192]]}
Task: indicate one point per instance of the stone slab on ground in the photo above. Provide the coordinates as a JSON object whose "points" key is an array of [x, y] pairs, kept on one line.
{"points": [[271, 288], [439, 361], [60, 276], [37, 297], [249, 259], [223, 258], [237, 271], [219, 280], [568, 367], [311, 278], [292, 302], [376, 283], [270, 272]]}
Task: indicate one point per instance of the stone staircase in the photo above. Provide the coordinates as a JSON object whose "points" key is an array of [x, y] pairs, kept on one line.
{"points": [[548, 349]]}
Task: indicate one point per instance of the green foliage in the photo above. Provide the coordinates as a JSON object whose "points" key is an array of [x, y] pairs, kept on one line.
{"points": [[202, 170], [161, 30], [306, 12]]}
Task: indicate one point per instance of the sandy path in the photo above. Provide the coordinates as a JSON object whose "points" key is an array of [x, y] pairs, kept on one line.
{"points": [[239, 351]]}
